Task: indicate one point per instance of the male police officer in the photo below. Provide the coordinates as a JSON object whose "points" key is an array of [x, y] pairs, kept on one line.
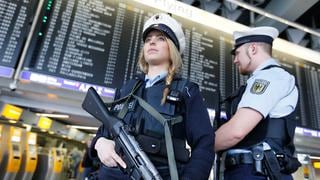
{"points": [[257, 140]]}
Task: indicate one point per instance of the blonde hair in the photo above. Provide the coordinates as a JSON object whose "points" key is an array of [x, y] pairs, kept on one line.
{"points": [[175, 65]]}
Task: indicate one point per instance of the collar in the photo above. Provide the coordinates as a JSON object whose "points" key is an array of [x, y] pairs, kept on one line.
{"points": [[150, 82], [270, 61]]}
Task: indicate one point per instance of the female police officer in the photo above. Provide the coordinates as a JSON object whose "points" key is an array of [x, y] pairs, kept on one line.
{"points": [[160, 60]]}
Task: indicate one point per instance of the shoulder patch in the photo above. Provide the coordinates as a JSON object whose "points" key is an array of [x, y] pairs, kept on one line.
{"points": [[259, 86]]}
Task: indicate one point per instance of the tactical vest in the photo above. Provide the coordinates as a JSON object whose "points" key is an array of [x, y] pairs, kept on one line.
{"points": [[277, 132], [148, 131]]}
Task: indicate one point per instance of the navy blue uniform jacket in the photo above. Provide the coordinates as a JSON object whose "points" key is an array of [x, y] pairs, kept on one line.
{"points": [[198, 130]]}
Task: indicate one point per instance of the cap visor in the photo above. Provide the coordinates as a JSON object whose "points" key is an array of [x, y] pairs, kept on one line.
{"points": [[233, 51]]}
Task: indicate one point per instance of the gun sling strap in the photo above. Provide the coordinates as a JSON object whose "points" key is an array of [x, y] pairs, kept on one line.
{"points": [[153, 112]]}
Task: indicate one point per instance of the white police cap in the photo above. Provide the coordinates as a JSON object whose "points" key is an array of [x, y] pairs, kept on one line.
{"points": [[169, 26], [264, 34]]}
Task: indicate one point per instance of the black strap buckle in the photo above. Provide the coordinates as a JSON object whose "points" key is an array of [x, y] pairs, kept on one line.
{"points": [[258, 155]]}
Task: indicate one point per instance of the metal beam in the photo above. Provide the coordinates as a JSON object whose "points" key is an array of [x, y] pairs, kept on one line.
{"points": [[315, 42], [287, 9], [274, 17], [295, 35]]}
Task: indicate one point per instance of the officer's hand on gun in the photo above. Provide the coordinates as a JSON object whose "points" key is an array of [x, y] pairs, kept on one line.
{"points": [[107, 154]]}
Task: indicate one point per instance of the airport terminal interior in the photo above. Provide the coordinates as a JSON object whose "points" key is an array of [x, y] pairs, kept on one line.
{"points": [[53, 51]]}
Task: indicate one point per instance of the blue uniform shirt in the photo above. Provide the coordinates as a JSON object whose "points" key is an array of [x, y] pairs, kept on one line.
{"points": [[270, 92]]}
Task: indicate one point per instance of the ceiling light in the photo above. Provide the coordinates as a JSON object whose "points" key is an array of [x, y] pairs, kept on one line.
{"points": [[84, 127], [60, 116], [28, 127], [12, 121], [315, 157]]}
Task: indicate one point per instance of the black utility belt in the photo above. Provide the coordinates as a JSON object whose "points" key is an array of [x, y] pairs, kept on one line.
{"points": [[264, 160], [232, 160]]}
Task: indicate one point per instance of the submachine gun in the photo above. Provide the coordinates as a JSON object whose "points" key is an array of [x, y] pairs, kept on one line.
{"points": [[139, 165]]}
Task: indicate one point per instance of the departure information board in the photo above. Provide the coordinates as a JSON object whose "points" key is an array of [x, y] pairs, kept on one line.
{"points": [[98, 42], [79, 43], [15, 16]]}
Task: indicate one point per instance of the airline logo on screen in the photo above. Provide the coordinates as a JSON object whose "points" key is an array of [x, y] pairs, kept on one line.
{"points": [[65, 83]]}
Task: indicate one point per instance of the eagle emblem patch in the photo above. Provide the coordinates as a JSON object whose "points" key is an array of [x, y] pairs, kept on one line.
{"points": [[259, 86]]}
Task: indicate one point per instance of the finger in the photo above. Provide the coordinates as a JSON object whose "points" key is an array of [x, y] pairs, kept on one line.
{"points": [[113, 163], [106, 160], [118, 159], [110, 163]]}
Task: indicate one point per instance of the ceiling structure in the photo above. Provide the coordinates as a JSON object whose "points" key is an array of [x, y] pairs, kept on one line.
{"points": [[302, 16]]}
